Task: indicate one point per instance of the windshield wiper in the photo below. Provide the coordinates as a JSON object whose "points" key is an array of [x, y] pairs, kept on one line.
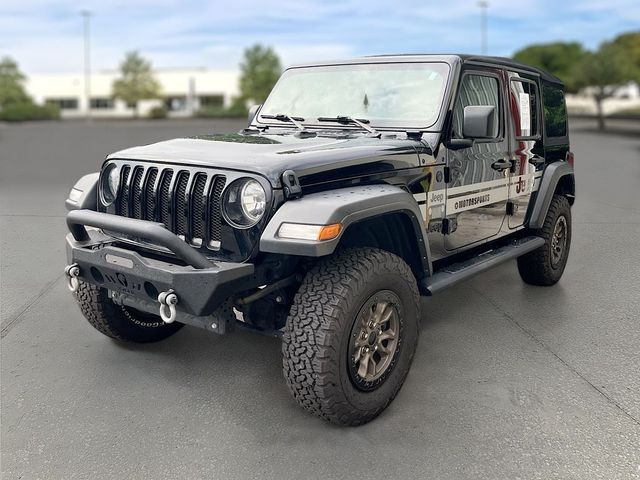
{"points": [[362, 122], [281, 117]]}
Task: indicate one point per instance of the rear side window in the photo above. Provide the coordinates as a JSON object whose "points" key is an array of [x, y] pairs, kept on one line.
{"points": [[555, 112], [525, 105]]}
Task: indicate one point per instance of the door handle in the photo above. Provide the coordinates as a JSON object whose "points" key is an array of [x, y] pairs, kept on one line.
{"points": [[536, 160], [501, 165]]}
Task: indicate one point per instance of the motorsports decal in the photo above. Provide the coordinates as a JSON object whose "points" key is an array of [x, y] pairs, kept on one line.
{"points": [[472, 202], [467, 197]]}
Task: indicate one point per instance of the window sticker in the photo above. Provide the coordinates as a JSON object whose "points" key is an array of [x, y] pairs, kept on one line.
{"points": [[525, 115]]}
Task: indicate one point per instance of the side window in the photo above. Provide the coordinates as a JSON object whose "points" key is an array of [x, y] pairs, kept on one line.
{"points": [[525, 101], [555, 112], [476, 89]]}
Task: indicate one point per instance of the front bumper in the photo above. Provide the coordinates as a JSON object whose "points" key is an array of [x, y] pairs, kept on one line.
{"points": [[200, 284]]}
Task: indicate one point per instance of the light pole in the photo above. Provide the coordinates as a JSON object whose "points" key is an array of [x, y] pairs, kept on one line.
{"points": [[86, 16], [484, 44]]}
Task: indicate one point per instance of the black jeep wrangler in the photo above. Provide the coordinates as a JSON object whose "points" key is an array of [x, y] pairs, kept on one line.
{"points": [[357, 187]]}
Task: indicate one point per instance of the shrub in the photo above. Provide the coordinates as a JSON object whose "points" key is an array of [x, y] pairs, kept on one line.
{"points": [[237, 109], [158, 113], [234, 111], [211, 112], [25, 111]]}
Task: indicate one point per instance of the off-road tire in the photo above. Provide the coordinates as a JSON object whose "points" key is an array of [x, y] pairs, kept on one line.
{"points": [[121, 323], [318, 333], [537, 267]]}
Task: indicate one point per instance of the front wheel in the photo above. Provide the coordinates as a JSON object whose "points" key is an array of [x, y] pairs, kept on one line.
{"points": [[351, 335], [545, 265]]}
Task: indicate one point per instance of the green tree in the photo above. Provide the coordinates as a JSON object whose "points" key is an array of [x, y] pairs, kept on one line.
{"points": [[260, 70], [630, 44], [137, 81], [558, 58], [603, 71], [11, 84]]}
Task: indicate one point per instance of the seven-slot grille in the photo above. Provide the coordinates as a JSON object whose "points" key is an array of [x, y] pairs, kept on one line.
{"points": [[186, 202]]}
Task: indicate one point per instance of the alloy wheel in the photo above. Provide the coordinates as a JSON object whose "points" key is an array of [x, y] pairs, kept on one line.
{"points": [[375, 340]]}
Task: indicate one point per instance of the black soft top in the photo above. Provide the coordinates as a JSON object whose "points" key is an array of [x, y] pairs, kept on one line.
{"points": [[509, 62], [448, 58]]}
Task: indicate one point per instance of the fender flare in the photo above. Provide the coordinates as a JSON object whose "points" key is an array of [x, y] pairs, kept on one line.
{"points": [[84, 194], [552, 175], [346, 206]]}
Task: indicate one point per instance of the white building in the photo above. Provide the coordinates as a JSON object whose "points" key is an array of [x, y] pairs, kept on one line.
{"points": [[625, 97], [184, 91]]}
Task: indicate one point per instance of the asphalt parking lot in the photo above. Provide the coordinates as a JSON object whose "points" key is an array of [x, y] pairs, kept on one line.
{"points": [[510, 381]]}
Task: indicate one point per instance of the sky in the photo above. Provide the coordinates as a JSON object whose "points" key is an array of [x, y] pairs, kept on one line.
{"points": [[45, 36]]}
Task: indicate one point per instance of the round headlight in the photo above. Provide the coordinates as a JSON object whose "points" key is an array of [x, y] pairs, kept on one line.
{"points": [[245, 202], [253, 200], [110, 184]]}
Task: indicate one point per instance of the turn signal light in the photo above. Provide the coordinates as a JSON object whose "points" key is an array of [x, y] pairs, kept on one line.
{"points": [[299, 231], [329, 232]]}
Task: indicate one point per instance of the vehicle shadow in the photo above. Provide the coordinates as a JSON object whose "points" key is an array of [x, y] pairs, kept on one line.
{"points": [[239, 376], [241, 373]]}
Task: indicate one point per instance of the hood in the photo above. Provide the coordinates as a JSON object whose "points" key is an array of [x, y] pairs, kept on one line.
{"points": [[271, 155]]}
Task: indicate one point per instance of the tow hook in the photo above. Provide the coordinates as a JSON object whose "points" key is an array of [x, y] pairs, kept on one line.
{"points": [[72, 272], [168, 302]]}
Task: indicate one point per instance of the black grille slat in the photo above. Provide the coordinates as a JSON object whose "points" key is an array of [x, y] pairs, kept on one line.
{"points": [[187, 202], [123, 199], [215, 215], [150, 194], [164, 192], [181, 203], [136, 193], [198, 208]]}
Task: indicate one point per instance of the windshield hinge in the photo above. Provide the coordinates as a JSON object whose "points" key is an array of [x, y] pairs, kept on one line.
{"points": [[447, 174], [291, 185], [414, 134]]}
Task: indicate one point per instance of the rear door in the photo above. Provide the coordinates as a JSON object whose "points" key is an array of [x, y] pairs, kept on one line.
{"points": [[477, 190], [525, 143]]}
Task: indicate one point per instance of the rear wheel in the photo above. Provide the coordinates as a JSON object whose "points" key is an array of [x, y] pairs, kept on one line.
{"points": [[545, 265], [351, 335], [121, 323]]}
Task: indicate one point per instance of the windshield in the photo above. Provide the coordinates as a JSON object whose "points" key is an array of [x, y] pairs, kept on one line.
{"points": [[401, 95]]}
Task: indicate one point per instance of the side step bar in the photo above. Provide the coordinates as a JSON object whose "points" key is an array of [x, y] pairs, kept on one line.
{"points": [[457, 272]]}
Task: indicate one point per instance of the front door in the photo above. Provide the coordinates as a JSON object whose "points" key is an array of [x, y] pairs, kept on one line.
{"points": [[478, 186]]}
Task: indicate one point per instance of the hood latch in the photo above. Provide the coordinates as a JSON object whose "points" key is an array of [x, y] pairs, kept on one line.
{"points": [[291, 184]]}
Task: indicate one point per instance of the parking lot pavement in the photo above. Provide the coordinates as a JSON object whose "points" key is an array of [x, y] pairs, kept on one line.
{"points": [[513, 382]]}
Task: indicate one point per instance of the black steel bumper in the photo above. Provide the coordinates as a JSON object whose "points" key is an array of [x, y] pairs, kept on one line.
{"points": [[201, 286]]}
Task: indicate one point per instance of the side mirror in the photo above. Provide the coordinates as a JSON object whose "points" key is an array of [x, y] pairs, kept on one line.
{"points": [[252, 113], [478, 121]]}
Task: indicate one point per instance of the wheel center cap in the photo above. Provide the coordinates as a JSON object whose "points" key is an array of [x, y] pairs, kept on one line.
{"points": [[371, 339]]}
